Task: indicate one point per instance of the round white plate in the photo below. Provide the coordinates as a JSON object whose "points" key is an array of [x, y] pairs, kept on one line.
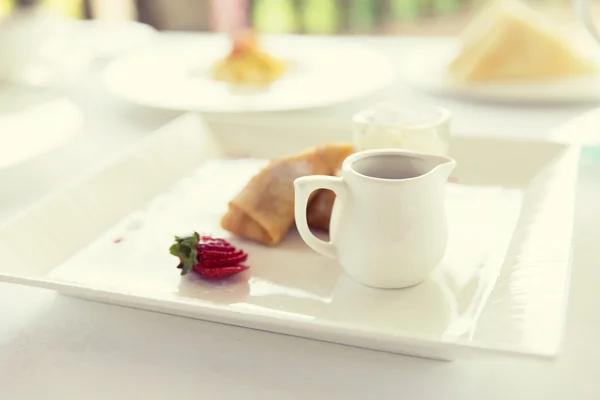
{"points": [[177, 76], [426, 70], [35, 130]]}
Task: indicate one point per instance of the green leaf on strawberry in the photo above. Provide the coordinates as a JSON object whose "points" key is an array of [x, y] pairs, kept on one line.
{"points": [[186, 249]]}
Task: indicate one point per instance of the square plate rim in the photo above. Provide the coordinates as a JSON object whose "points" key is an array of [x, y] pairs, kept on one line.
{"points": [[67, 288]]}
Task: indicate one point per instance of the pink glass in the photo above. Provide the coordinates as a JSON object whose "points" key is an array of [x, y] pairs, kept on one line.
{"points": [[229, 15]]}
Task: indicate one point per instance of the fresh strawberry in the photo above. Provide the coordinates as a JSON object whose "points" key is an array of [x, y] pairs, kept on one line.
{"points": [[221, 272], [213, 258]]}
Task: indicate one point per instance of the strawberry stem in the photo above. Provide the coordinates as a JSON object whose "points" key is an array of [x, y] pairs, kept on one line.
{"points": [[186, 249]]}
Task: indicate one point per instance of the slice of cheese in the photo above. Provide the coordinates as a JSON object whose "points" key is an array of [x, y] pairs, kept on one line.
{"points": [[508, 40]]}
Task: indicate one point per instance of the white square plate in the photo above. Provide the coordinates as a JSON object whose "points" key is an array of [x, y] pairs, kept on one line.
{"points": [[501, 288]]}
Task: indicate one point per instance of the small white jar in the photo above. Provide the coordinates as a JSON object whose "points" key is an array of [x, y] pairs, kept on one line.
{"points": [[387, 125]]}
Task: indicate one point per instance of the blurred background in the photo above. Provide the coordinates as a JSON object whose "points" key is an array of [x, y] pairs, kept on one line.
{"points": [[81, 80], [375, 17]]}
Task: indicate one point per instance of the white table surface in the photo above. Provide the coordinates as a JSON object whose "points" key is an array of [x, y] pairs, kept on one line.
{"points": [[56, 347]]}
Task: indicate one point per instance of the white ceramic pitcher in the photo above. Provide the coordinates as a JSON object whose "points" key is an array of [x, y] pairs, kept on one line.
{"points": [[388, 225]]}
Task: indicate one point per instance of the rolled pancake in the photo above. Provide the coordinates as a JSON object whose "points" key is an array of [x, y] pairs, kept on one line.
{"points": [[334, 154], [264, 210], [318, 214]]}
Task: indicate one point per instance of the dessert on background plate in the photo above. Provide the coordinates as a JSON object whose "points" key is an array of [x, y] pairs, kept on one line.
{"points": [[247, 64], [508, 40], [211, 74], [509, 53]]}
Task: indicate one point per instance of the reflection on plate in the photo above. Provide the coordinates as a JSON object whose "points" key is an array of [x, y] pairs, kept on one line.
{"points": [[428, 71], [170, 76]]}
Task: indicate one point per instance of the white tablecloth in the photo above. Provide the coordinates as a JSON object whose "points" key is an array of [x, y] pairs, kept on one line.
{"points": [[56, 347]]}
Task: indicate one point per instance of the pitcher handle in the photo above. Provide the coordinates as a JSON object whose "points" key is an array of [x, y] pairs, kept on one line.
{"points": [[583, 9], [303, 187]]}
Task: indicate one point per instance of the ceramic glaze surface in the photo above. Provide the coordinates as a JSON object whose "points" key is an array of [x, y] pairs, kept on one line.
{"points": [[501, 287], [292, 282], [388, 225]]}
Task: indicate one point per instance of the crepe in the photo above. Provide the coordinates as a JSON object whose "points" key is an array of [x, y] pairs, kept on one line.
{"points": [[318, 214], [264, 210], [508, 40]]}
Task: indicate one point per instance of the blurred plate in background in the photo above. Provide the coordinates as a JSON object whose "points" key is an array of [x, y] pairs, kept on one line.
{"points": [[177, 76], [109, 38], [426, 70], [39, 49]]}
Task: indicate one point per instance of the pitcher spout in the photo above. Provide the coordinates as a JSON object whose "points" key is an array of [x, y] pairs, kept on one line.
{"points": [[444, 169], [439, 166], [399, 165]]}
